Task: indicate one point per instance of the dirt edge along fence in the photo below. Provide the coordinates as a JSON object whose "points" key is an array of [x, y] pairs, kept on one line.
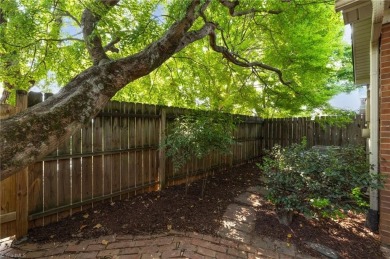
{"points": [[114, 156]]}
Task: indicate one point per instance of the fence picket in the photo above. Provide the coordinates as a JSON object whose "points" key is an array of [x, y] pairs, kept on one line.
{"points": [[97, 147], [76, 170], [87, 169], [124, 145], [116, 173]]}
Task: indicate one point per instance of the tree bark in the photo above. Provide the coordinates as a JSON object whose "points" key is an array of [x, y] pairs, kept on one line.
{"points": [[34, 133]]}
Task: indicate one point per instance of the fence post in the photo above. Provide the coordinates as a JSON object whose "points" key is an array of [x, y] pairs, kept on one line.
{"points": [[161, 152], [21, 183]]}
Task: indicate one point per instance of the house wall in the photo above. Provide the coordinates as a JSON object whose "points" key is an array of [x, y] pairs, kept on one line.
{"points": [[384, 134]]}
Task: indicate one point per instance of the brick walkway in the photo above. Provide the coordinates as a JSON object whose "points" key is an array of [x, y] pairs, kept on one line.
{"points": [[237, 240]]}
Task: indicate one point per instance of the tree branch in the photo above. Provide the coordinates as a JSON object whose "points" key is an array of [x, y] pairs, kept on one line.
{"points": [[232, 9], [68, 14], [111, 45], [93, 41], [239, 61]]}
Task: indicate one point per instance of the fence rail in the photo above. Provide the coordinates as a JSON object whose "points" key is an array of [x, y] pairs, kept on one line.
{"points": [[116, 155]]}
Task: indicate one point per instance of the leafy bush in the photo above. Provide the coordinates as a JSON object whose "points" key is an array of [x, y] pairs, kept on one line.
{"points": [[197, 135], [318, 183]]}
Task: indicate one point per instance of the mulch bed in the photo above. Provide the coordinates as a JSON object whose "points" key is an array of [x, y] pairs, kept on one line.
{"points": [[157, 212]]}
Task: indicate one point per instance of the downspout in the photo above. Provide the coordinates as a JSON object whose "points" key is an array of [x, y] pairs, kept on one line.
{"points": [[377, 17]]}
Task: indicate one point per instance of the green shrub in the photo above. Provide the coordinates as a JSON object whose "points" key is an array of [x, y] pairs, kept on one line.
{"points": [[198, 134], [318, 183]]}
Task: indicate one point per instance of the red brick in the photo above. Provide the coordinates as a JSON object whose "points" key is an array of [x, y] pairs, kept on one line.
{"points": [[148, 249], [87, 255], [129, 251], [385, 44], [385, 146], [121, 244], [165, 240], [172, 246], [142, 237], [385, 33], [55, 251], [125, 237], [385, 210], [385, 105], [182, 240], [385, 151], [194, 234], [108, 253], [385, 227], [384, 86], [199, 242], [170, 254], [215, 247], [385, 134], [385, 52], [21, 254], [384, 233], [384, 193], [385, 98], [95, 247], [237, 253], [247, 248], [384, 158], [75, 248], [266, 253], [385, 240], [385, 140], [385, 221], [386, 63], [192, 255], [219, 255], [64, 256], [156, 255], [215, 240], [228, 243], [387, 69], [385, 40], [141, 243], [206, 252]]}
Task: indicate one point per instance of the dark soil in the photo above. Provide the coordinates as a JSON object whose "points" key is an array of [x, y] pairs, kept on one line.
{"points": [[157, 212]]}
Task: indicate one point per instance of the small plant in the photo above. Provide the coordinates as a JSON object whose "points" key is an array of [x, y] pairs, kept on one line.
{"points": [[198, 134], [318, 183]]}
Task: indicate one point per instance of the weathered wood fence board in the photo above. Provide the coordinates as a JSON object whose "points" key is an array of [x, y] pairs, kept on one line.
{"points": [[287, 131], [116, 155]]}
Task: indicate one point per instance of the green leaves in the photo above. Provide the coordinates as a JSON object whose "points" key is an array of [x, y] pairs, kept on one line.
{"points": [[40, 42], [197, 135], [319, 182]]}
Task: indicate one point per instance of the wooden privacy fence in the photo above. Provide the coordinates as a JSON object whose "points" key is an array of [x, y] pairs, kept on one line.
{"points": [[114, 156], [287, 131]]}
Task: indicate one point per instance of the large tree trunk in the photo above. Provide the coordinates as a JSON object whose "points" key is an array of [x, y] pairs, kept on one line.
{"points": [[37, 131]]}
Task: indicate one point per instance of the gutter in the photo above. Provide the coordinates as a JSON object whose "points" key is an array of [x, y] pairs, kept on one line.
{"points": [[376, 26]]}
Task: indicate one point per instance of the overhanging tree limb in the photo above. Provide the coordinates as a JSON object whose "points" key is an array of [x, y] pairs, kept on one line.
{"points": [[93, 41], [237, 60], [231, 5]]}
